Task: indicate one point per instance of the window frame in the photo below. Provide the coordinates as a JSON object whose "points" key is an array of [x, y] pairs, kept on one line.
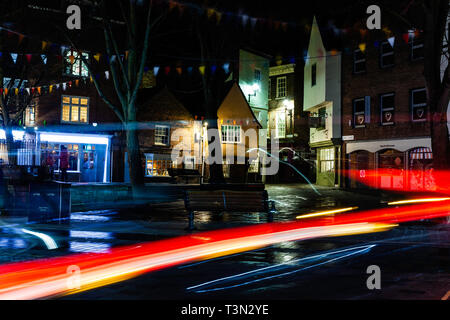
{"points": [[359, 61], [154, 157], [279, 79], [355, 114], [79, 109], [382, 109], [420, 44], [158, 126], [233, 136], [277, 117], [313, 75], [70, 52], [382, 55], [418, 105]]}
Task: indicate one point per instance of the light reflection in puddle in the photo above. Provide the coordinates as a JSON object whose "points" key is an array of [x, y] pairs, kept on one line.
{"points": [[13, 243], [91, 247], [85, 217], [91, 234]]}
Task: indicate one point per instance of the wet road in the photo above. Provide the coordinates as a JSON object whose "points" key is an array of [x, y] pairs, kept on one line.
{"points": [[414, 258]]}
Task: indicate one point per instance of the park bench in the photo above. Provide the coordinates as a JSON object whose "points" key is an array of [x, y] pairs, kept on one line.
{"points": [[183, 173], [228, 201]]}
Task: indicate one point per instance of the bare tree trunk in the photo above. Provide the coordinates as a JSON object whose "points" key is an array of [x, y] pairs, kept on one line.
{"points": [[216, 169], [10, 146], [136, 170]]}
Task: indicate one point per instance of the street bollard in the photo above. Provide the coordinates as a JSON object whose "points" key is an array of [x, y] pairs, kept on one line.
{"points": [[271, 212], [191, 221]]}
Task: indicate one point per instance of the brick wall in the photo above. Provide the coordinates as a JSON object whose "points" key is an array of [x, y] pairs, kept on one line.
{"points": [[401, 78]]}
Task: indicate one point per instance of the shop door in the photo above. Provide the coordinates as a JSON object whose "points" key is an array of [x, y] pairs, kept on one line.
{"points": [[89, 166], [391, 169]]}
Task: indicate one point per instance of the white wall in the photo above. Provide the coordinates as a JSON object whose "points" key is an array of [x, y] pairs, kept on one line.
{"points": [[314, 95]]}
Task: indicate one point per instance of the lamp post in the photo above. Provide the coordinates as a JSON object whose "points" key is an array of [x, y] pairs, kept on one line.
{"points": [[255, 89]]}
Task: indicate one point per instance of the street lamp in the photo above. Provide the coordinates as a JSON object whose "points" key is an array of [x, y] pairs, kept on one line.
{"points": [[255, 88]]}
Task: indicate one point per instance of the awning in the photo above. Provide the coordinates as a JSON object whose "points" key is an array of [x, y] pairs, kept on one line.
{"points": [[421, 153], [401, 145]]}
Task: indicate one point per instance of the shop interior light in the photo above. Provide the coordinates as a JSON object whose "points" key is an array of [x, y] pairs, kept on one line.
{"points": [[74, 138]]}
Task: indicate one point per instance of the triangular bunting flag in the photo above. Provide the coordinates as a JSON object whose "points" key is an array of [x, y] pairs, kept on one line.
{"points": [[14, 57], [72, 59], [155, 70], [44, 58], [362, 47], [64, 85], [406, 37], [28, 56], [226, 67], [44, 45], [107, 75], [27, 90], [391, 41], [97, 57], [202, 70]]}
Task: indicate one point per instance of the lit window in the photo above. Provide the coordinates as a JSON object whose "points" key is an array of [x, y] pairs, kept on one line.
{"points": [[386, 55], [281, 125], [162, 135], [157, 165], [78, 68], [75, 109], [281, 87], [387, 108], [359, 61], [327, 160], [231, 134], [30, 116], [419, 104]]}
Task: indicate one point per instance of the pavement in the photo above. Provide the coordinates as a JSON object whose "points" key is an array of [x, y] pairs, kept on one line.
{"points": [[415, 258]]}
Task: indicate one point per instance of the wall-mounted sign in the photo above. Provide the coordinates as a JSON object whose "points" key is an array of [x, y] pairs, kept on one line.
{"points": [[348, 138]]}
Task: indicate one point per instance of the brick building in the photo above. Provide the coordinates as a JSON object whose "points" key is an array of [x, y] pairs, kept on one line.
{"points": [[385, 121], [287, 121]]}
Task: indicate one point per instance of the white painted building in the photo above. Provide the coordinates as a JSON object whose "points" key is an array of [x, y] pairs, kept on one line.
{"points": [[322, 99]]}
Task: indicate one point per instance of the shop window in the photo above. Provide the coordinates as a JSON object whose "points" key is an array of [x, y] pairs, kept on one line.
{"points": [[189, 162], [359, 61], [326, 160], [226, 169], [391, 169], [157, 165], [231, 133], [162, 135], [78, 68], [419, 105], [386, 55], [50, 153], [421, 169], [281, 87], [387, 102], [75, 109], [253, 166]]}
